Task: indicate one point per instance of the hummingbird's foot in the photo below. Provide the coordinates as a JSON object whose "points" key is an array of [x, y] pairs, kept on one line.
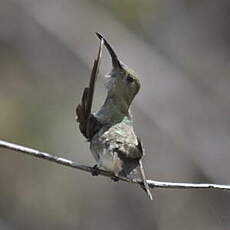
{"points": [[95, 170], [115, 178]]}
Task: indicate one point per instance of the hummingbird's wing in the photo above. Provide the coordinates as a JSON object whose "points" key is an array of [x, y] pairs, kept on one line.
{"points": [[88, 124], [132, 167], [127, 151], [145, 185]]}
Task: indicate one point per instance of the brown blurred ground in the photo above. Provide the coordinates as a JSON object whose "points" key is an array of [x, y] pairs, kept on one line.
{"points": [[180, 49]]}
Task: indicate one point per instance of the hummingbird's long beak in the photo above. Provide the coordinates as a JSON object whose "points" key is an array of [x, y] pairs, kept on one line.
{"points": [[115, 61]]}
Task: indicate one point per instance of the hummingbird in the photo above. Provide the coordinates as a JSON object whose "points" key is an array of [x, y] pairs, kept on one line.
{"points": [[113, 142]]}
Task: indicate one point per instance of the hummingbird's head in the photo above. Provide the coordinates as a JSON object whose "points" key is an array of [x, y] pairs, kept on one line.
{"points": [[123, 83]]}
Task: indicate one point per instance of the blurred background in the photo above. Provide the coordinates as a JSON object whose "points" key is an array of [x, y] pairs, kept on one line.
{"points": [[179, 48]]}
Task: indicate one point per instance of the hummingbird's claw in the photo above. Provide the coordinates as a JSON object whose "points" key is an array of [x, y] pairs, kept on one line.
{"points": [[95, 171], [115, 178]]}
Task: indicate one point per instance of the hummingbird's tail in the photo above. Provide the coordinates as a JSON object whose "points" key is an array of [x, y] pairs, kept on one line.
{"points": [[145, 185]]}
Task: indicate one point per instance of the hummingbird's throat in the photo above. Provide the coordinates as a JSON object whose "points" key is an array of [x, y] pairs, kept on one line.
{"points": [[120, 102]]}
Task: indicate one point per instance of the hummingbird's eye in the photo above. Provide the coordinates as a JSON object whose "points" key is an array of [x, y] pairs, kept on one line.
{"points": [[129, 79]]}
